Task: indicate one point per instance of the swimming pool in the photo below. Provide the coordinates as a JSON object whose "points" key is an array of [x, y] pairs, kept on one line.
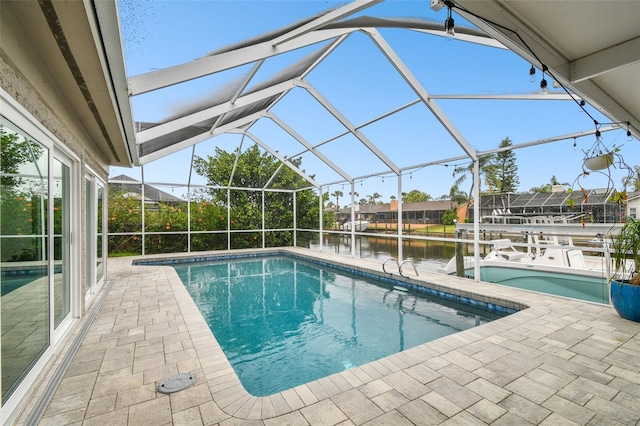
{"points": [[592, 289], [284, 321], [13, 281]]}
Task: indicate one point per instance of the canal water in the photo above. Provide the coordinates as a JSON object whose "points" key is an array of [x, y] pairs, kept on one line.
{"points": [[429, 256], [426, 255]]}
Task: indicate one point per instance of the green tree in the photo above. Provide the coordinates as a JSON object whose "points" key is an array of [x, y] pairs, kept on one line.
{"points": [[633, 180], [449, 216], [337, 193], [484, 165], [255, 170], [124, 216], [547, 187], [544, 188], [415, 196], [455, 195], [373, 198], [23, 198], [328, 218], [484, 162], [502, 171], [15, 151]]}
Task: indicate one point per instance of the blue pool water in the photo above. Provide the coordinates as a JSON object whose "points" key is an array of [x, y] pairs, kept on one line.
{"points": [[592, 289], [283, 321], [11, 282]]}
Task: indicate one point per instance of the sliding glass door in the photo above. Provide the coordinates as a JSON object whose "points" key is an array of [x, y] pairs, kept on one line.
{"points": [[61, 239], [100, 240], [24, 254], [94, 205], [39, 269]]}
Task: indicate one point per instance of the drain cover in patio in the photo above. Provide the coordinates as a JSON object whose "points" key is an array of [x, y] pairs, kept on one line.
{"points": [[176, 383]]}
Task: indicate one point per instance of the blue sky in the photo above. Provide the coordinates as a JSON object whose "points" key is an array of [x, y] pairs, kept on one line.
{"points": [[358, 80]]}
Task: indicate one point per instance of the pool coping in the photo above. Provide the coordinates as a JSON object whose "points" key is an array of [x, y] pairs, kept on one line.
{"points": [[507, 359], [491, 304], [227, 390]]}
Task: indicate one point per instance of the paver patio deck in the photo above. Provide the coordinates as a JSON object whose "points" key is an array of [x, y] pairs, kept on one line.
{"points": [[558, 362]]}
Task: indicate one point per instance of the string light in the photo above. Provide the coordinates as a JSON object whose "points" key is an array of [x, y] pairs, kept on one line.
{"points": [[532, 74], [543, 83], [543, 87], [449, 25]]}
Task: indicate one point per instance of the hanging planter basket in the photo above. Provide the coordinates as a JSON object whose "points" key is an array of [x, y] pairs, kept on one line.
{"points": [[599, 162]]}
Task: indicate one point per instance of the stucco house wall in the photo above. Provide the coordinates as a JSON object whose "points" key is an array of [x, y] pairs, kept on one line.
{"points": [[57, 88]]}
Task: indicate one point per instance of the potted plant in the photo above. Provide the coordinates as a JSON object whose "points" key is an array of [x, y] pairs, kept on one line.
{"points": [[625, 281], [599, 162], [602, 160]]}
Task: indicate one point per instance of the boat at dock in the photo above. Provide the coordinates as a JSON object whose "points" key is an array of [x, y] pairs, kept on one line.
{"points": [[545, 254], [359, 225], [548, 262]]}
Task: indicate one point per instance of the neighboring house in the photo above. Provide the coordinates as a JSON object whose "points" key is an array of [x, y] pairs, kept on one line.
{"points": [[633, 205], [131, 187], [65, 118], [425, 212], [593, 203], [598, 207]]}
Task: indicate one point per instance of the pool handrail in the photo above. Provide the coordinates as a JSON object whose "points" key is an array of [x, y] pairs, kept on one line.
{"points": [[412, 264]]}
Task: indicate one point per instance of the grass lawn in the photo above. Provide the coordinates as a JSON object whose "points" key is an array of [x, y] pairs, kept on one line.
{"points": [[415, 228]]}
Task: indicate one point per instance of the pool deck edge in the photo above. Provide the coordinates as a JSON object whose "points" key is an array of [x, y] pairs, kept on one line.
{"points": [[558, 360]]}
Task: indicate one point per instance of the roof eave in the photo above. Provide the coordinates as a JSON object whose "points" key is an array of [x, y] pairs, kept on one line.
{"points": [[105, 26]]}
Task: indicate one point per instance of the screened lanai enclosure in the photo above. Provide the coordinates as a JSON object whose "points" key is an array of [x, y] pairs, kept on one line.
{"points": [[285, 128], [359, 128]]}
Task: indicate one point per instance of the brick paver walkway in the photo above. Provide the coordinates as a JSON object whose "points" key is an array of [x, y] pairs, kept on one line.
{"points": [[558, 362]]}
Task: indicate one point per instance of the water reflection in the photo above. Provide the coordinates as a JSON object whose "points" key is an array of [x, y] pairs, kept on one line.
{"points": [[282, 322], [25, 320], [426, 255]]}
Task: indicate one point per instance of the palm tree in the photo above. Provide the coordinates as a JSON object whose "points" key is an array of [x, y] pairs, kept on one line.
{"points": [[484, 162], [633, 180], [547, 187], [455, 195], [485, 169], [337, 193], [374, 197]]}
